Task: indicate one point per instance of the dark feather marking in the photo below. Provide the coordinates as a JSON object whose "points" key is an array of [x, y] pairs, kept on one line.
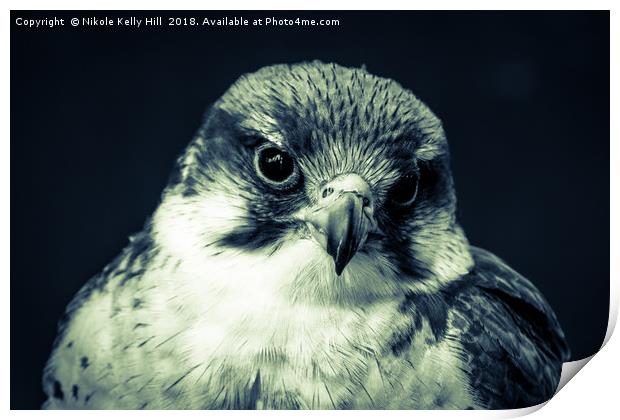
{"points": [[58, 391], [410, 363], [168, 339], [218, 394], [74, 391], [132, 377], [145, 385], [435, 310], [105, 375], [182, 377], [255, 235], [432, 307], [372, 403], [401, 340], [329, 394], [84, 362], [146, 341], [203, 372], [140, 244], [255, 392]]}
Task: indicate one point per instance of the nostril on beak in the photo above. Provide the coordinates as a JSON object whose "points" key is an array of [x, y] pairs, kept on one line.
{"points": [[327, 191], [347, 183]]}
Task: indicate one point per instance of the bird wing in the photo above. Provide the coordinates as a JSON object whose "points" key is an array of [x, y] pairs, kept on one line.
{"points": [[69, 378], [511, 343]]}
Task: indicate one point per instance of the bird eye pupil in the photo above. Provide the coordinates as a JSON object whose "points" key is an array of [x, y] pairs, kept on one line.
{"points": [[275, 164], [405, 190]]}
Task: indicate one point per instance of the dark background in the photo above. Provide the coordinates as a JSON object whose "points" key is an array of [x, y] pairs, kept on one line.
{"points": [[98, 116]]}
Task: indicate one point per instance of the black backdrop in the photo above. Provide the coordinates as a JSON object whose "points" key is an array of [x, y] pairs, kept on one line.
{"points": [[98, 116]]}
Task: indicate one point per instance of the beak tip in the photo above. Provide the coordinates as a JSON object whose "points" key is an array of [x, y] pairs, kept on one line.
{"points": [[343, 226], [339, 268]]}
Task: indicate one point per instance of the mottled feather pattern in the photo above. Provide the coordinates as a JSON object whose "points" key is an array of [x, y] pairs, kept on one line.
{"points": [[504, 322], [500, 365]]}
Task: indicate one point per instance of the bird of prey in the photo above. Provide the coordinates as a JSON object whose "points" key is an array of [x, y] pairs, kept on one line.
{"points": [[306, 255]]}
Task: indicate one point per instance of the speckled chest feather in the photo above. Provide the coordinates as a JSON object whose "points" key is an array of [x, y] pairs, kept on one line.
{"points": [[200, 343]]}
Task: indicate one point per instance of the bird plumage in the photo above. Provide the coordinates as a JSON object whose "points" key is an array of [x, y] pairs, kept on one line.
{"points": [[306, 254]]}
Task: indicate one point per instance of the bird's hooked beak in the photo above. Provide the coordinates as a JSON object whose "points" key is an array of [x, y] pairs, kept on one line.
{"points": [[343, 218]]}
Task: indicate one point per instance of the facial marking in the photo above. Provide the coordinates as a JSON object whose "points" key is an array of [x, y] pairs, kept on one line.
{"points": [[348, 123]]}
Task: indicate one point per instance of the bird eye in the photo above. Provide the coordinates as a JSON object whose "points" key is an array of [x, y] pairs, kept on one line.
{"points": [[405, 190], [276, 167]]}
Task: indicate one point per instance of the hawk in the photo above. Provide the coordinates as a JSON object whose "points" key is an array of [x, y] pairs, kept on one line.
{"points": [[306, 255]]}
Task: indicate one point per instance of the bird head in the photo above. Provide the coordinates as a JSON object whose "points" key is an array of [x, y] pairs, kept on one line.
{"points": [[352, 165]]}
